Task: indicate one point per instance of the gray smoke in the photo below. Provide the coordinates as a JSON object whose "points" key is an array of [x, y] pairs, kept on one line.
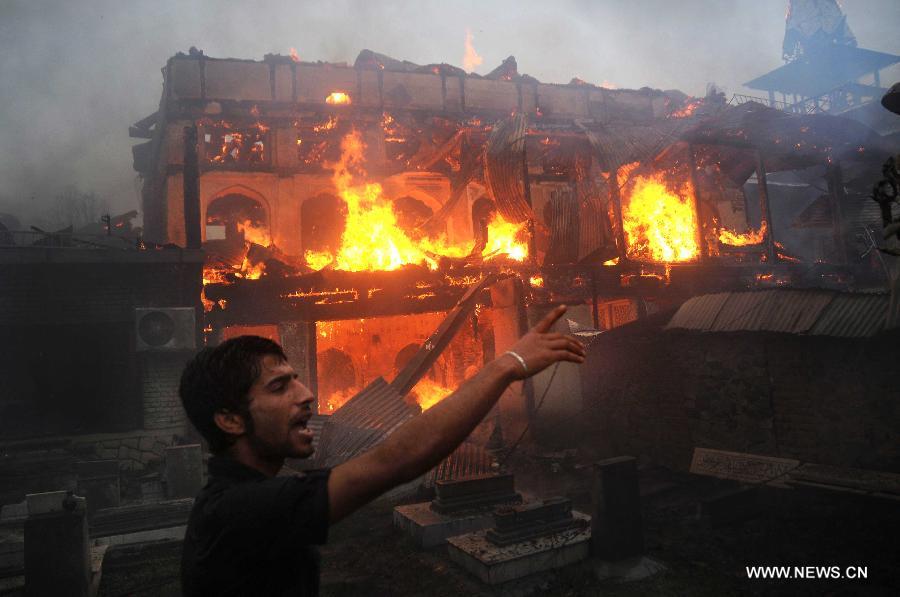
{"points": [[75, 75]]}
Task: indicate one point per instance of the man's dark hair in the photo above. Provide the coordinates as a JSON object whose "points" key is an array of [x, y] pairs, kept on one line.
{"points": [[219, 379]]}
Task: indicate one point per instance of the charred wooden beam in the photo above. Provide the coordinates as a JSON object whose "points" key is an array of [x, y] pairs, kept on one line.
{"points": [[191, 184]]}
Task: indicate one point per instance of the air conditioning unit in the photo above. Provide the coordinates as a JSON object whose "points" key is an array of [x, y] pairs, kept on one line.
{"points": [[165, 328]]}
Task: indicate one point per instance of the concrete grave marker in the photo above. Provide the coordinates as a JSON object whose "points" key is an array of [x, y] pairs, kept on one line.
{"points": [[617, 528], [57, 546]]}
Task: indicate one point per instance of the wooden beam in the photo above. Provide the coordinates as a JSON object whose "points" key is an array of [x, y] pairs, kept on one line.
{"points": [[766, 214]]}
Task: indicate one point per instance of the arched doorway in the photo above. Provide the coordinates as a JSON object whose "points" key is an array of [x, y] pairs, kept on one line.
{"points": [[235, 217]]}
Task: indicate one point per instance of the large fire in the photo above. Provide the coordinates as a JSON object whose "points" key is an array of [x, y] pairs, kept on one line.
{"points": [[752, 237], [428, 393], [338, 98], [659, 220], [373, 240]]}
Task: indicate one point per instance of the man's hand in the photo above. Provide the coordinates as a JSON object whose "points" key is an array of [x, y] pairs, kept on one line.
{"points": [[540, 348]]}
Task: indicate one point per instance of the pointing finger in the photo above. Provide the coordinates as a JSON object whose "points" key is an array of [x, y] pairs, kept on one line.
{"points": [[547, 322]]}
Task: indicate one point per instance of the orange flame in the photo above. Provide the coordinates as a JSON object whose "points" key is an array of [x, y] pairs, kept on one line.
{"points": [[338, 98], [294, 55], [471, 59], [428, 393], [255, 234], [752, 237], [336, 400], [373, 240], [659, 220]]}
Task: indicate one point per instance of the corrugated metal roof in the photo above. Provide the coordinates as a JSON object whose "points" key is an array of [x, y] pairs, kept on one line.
{"points": [[793, 311], [853, 316], [699, 313], [743, 311], [802, 311]]}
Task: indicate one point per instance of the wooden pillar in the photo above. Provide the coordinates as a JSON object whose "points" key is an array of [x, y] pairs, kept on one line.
{"points": [[835, 180], [695, 182], [764, 208], [616, 199], [191, 187]]}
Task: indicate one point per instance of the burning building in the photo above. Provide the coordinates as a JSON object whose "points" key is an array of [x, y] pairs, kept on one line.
{"points": [[334, 201]]}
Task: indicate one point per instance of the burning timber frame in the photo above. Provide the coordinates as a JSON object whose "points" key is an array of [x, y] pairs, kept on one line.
{"points": [[285, 104]]}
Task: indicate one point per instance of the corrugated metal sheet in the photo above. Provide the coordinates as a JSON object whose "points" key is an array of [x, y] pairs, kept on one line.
{"points": [[743, 311], [377, 406], [853, 316], [809, 311], [468, 460], [699, 313], [793, 311], [340, 442], [503, 161]]}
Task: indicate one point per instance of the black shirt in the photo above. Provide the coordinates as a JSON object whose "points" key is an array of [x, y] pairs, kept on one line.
{"points": [[250, 534]]}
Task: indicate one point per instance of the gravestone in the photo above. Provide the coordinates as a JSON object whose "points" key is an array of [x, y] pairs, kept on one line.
{"points": [[514, 524], [473, 493], [617, 531], [57, 546], [184, 471]]}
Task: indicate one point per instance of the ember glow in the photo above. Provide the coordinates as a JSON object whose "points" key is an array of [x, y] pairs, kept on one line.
{"points": [[659, 220], [338, 98], [427, 393], [372, 238], [752, 237]]}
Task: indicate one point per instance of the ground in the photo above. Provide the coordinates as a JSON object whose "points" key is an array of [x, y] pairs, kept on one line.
{"points": [[365, 556]]}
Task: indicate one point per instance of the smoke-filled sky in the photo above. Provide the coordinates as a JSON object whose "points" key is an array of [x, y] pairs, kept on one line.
{"points": [[75, 75]]}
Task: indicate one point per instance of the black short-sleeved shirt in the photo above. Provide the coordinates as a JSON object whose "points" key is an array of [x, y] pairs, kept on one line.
{"points": [[249, 534]]}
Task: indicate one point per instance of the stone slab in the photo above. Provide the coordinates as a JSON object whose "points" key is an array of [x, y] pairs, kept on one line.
{"points": [[428, 528], [495, 565], [738, 466]]}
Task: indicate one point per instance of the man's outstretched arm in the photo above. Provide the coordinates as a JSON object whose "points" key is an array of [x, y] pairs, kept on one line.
{"points": [[424, 441]]}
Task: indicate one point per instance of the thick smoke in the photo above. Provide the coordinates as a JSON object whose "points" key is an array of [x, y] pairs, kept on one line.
{"points": [[75, 75]]}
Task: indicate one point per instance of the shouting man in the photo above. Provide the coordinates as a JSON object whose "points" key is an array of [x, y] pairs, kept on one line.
{"points": [[252, 532]]}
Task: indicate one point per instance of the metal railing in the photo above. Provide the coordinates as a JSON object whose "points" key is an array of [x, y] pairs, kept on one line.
{"points": [[840, 99]]}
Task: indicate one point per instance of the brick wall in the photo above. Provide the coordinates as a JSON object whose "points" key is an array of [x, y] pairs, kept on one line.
{"points": [[160, 374]]}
